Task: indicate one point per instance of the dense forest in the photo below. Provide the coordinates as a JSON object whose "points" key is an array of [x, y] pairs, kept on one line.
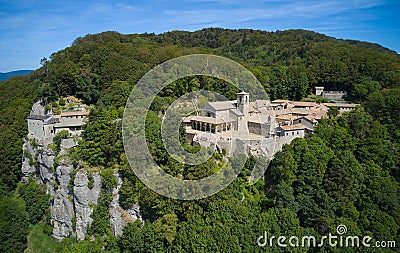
{"points": [[347, 172]]}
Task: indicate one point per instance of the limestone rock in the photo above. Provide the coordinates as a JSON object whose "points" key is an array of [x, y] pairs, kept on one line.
{"points": [[27, 169], [63, 173], [83, 198], [37, 109], [62, 213], [118, 216], [67, 144]]}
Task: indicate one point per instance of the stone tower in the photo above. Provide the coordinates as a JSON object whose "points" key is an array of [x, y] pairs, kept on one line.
{"points": [[243, 106], [243, 103]]}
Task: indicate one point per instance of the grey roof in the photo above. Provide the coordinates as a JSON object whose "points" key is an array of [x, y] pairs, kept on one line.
{"points": [[237, 112], [260, 118], [38, 117], [46, 119], [243, 93], [66, 125], [51, 121], [261, 103], [221, 105]]}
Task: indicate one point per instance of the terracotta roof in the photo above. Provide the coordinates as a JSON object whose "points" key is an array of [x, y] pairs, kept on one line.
{"points": [[280, 101], [303, 104], [310, 118], [301, 111], [282, 112], [286, 117], [292, 127]]}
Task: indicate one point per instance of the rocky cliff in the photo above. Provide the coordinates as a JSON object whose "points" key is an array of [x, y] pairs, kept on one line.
{"points": [[72, 195]]}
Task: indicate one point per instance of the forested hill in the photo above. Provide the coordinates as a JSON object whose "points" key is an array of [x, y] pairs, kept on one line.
{"points": [[288, 63], [347, 172], [217, 37]]}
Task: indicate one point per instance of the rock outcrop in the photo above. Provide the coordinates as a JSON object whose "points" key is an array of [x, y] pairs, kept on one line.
{"points": [[84, 198], [62, 213], [72, 197], [118, 216]]}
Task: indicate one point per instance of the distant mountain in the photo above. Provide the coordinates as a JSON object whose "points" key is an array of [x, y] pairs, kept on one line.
{"points": [[5, 76]]}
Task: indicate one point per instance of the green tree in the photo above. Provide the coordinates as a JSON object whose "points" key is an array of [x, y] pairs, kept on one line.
{"points": [[36, 199], [13, 224]]}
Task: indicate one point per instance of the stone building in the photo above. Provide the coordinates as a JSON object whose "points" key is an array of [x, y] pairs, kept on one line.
{"points": [[43, 127], [260, 127], [71, 121], [334, 94]]}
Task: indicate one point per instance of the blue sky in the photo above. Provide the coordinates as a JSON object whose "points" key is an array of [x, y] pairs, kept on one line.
{"points": [[31, 30]]}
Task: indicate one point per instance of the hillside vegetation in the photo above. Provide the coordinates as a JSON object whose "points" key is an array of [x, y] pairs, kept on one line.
{"points": [[346, 173]]}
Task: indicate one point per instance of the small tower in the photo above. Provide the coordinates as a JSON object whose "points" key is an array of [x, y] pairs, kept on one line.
{"points": [[243, 107], [243, 102]]}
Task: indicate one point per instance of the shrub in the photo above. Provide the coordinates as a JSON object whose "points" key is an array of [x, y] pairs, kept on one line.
{"points": [[91, 180], [61, 102], [57, 139]]}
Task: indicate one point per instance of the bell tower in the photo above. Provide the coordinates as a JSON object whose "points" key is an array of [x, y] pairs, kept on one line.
{"points": [[243, 103]]}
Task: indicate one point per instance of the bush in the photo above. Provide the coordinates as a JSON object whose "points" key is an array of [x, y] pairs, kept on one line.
{"points": [[57, 140], [108, 179], [33, 142], [91, 180], [71, 182], [36, 199], [61, 102], [13, 224]]}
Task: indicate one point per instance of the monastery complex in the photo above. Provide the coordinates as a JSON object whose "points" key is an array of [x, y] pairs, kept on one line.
{"points": [[257, 128]]}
